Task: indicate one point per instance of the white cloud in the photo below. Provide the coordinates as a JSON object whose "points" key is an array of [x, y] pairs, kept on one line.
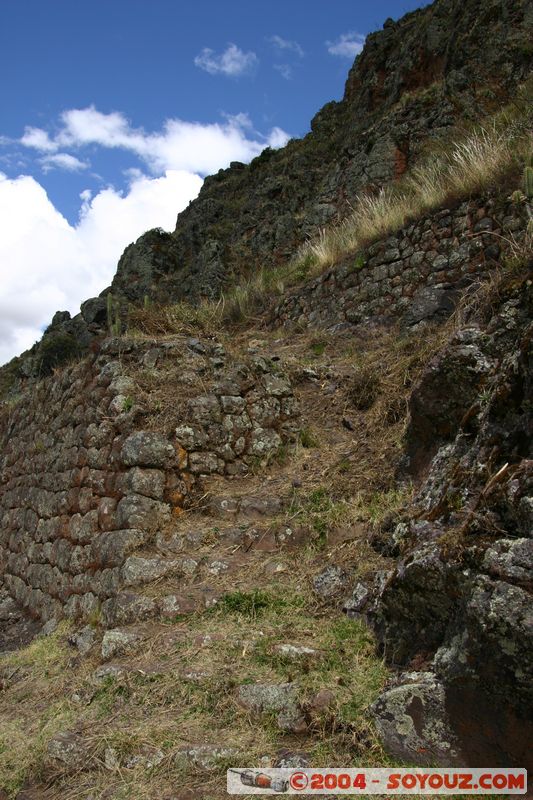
{"points": [[39, 140], [285, 70], [180, 145], [204, 148], [241, 120], [46, 264], [83, 126], [63, 161], [277, 138], [232, 62], [348, 45], [286, 44]]}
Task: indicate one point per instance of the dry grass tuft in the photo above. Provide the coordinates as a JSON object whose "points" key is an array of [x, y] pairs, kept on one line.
{"points": [[180, 318], [483, 297], [39, 672]]}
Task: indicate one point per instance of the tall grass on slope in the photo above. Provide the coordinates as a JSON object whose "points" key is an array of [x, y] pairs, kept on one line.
{"points": [[467, 166], [471, 166]]}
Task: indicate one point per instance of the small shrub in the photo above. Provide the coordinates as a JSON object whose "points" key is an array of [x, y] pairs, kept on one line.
{"points": [[55, 350], [307, 438], [9, 377], [359, 262]]}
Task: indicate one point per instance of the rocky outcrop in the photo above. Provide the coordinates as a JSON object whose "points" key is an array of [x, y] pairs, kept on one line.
{"points": [[444, 41], [418, 77], [459, 602], [98, 457]]}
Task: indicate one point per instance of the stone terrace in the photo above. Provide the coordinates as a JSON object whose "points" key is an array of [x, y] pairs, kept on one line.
{"points": [[89, 472], [416, 274]]}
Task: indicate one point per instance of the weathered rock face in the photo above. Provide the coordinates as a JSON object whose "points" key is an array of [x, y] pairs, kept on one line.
{"points": [[444, 41], [450, 385], [92, 470], [416, 275], [86, 482], [460, 600], [414, 79]]}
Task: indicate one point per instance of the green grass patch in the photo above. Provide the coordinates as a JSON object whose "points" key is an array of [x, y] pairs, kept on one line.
{"points": [[319, 511], [375, 506], [253, 604], [318, 348]]}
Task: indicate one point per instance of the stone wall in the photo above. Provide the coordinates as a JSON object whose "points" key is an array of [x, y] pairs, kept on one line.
{"points": [[416, 274], [92, 464]]}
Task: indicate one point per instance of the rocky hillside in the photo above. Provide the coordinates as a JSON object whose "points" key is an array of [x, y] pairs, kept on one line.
{"points": [[416, 80], [291, 528]]}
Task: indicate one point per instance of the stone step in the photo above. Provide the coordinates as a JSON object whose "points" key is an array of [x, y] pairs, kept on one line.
{"points": [[128, 607], [245, 507], [138, 570], [215, 565], [197, 537], [201, 543]]}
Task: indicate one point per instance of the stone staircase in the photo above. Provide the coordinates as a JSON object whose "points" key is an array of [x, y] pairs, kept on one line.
{"points": [[203, 555]]}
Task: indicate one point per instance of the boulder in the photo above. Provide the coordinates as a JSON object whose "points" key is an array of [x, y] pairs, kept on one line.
{"points": [[126, 608], [412, 722], [448, 387], [69, 750], [119, 642], [281, 698], [330, 582], [94, 311]]}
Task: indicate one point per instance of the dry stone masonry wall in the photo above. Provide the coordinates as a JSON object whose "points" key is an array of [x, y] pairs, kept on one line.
{"points": [[92, 465], [416, 274]]}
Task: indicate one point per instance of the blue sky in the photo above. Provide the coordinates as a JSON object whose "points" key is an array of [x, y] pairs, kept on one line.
{"points": [[114, 111]]}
